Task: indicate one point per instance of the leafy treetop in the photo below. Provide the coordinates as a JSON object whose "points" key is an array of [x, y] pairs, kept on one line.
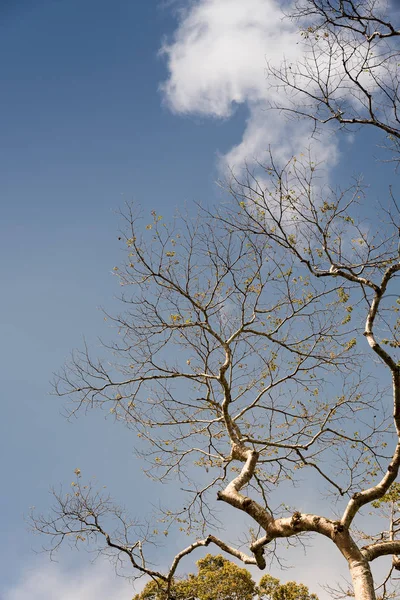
{"points": [[220, 579]]}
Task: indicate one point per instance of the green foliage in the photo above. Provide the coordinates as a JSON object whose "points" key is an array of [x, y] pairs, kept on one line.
{"points": [[391, 497], [221, 579], [270, 588]]}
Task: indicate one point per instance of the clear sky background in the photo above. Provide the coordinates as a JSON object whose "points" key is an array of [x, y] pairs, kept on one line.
{"points": [[105, 101]]}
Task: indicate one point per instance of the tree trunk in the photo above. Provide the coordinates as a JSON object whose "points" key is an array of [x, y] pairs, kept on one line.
{"points": [[363, 582]]}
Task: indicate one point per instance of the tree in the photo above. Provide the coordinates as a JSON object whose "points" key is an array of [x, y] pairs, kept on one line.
{"points": [[259, 343], [217, 579], [349, 73], [220, 579], [270, 588]]}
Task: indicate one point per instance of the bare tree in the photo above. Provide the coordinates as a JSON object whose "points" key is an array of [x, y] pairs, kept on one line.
{"points": [[258, 345], [349, 75]]}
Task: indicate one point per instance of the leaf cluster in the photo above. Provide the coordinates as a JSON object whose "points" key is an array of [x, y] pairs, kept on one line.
{"points": [[220, 579]]}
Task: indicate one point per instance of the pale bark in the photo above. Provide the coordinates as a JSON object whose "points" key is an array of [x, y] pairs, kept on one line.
{"points": [[363, 583], [386, 548]]}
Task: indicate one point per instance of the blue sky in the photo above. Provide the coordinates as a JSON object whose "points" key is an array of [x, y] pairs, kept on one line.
{"points": [[93, 114]]}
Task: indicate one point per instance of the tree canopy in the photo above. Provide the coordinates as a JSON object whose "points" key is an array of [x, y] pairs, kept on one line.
{"points": [[220, 579]]}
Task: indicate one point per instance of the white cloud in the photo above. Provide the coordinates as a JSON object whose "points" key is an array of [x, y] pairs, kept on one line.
{"points": [[48, 581], [217, 60], [217, 57], [264, 129]]}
